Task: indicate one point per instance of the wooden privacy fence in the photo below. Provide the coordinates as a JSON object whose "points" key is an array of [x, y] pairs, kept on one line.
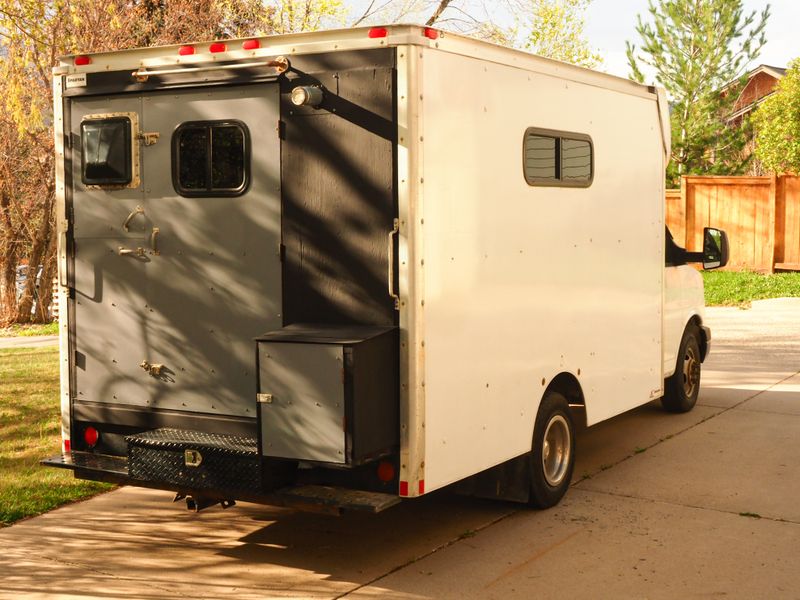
{"points": [[760, 214]]}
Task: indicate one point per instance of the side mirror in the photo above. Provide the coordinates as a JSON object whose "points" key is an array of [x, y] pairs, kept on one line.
{"points": [[715, 248]]}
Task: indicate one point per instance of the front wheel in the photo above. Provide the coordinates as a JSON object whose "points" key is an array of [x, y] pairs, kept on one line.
{"points": [[552, 456], [682, 387]]}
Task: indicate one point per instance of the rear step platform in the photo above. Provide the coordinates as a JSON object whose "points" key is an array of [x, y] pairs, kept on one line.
{"points": [[90, 463]]}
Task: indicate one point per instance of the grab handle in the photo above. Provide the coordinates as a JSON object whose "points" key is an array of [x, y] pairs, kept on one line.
{"points": [[390, 252], [154, 241]]}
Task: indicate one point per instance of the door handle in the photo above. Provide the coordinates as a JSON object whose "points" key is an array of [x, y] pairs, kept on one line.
{"points": [[123, 251], [390, 252], [136, 211]]}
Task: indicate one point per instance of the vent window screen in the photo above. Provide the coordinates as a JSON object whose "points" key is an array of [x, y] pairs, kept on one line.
{"points": [[211, 158], [106, 156], [557, 159]]}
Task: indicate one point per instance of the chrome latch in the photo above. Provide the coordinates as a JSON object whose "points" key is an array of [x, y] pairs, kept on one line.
{"points": [[149, 137], [192, 458], [154, 369], [123, 251]]}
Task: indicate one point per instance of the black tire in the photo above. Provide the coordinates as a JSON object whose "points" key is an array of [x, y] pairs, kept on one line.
{"points": [[682, 387], [552, 456]]}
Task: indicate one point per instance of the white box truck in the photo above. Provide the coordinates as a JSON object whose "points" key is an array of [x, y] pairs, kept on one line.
{"points": [[337, 269]]}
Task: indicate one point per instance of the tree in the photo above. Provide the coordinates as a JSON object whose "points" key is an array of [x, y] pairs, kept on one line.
{"points": [[699, 50], [33, 34], [550, 28], [777, 125], [556, 31], [292, 16]]}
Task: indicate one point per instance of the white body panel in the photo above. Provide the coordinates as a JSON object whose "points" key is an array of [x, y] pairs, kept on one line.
{"points": [[683, 300], [523, 283]]}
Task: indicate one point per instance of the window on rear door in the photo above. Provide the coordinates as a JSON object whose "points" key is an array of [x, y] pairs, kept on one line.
{"points": [[211, 158], [108, 151]]}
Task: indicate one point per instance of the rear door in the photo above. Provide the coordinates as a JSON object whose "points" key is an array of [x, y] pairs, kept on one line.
{"points": [[208, 278]]}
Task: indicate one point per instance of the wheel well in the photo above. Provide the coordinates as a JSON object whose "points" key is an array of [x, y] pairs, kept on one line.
{"points": [[568, 385], [697, 323]]}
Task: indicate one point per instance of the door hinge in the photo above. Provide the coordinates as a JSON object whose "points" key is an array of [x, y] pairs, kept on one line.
{"points": [[282, 252], [281, 130]]}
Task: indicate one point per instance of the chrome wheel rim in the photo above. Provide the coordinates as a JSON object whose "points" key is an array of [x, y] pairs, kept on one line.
{"points": [[691, 372], [556, 450]]}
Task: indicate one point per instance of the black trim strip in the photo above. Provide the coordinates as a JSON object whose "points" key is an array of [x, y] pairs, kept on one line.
{"points": [[154, 418]]}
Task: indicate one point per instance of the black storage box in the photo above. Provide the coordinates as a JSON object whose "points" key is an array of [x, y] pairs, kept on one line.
{"points": [[195, 460], [329, 394]]}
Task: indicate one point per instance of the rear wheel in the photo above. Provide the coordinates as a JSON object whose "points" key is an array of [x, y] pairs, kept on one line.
{"points": [[683, 386], [552, 456]]}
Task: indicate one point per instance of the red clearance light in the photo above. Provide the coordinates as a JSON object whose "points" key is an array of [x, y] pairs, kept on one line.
{"points": [[90, 436], [404, 488], [82, 60], [378, 32], [67, 446], [186, 50], [421, 487], [430, 33], [251, 45], [217, 47], [386, 471]]}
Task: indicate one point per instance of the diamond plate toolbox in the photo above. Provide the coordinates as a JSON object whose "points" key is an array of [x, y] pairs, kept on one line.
{"points": [[195, 460]]}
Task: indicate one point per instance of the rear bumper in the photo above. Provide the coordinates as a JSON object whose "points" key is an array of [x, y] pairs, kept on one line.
{"points": [[309, 498]]}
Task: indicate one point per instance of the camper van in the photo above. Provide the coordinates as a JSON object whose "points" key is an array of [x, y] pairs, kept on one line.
{"points": [[338, 269]]}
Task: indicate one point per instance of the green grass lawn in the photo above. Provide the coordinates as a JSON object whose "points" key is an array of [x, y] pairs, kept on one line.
{"points": [[730, 288], [29, 330], [29, 431]]}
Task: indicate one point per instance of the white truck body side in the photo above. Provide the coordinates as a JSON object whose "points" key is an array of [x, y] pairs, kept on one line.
{"points": [[522, 283]]}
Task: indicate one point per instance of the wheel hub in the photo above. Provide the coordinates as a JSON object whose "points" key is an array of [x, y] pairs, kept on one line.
{"points": [[556, 450], [691, 372]]}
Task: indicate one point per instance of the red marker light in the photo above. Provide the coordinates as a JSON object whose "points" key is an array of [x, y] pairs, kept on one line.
{"points": [[217, 47], [386, 471], [378, 32], [82, 60], [251, 45], [421, 487], [404, 488], [67, 446], [186, 50], [430, 33], [90, 436]]}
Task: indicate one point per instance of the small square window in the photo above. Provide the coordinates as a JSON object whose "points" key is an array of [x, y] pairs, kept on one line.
{"points": [[106, 156], [211, 158], [557, 159]]}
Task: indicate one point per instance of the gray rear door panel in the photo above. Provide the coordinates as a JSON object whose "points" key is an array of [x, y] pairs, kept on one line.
{"points": [[216, 282]]}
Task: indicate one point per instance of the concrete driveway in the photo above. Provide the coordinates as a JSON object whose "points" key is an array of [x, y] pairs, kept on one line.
{"points": [[33, 341], [662, 506]]}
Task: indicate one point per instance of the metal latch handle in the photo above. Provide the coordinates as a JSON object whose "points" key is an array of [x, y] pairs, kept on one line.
{"points": [[136, 211], [390, 252]]}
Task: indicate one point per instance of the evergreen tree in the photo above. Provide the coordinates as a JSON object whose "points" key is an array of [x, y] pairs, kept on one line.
{"points": [[700, 50]]}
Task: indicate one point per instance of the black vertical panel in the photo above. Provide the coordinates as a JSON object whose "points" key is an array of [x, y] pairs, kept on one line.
{"points": [[338, 189]]}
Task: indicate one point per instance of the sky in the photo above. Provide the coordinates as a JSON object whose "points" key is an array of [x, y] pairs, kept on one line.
{"points": [[609, 23]]}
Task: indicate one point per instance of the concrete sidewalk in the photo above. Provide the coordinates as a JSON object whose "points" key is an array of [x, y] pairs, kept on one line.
{"points": [[33, 341], [662, 506]]}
